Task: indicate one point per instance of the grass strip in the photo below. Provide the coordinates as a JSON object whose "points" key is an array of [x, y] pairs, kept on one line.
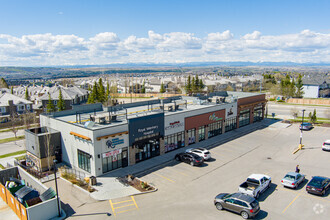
{"points": [[13, 154], [11, 139], [2, 167]]}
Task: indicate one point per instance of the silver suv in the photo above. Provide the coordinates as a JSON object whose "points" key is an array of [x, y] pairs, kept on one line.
{"points": [[245, 205]]}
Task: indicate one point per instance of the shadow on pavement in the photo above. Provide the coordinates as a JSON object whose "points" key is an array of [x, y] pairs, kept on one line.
{"points": [[261, 215], [267, 193]]}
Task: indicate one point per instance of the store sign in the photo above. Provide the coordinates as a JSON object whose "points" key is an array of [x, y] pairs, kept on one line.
{"points": [[147, 130], [114, 142], [213, 117], [175, 124], [231, 111], [142, 127], [112, 153]]}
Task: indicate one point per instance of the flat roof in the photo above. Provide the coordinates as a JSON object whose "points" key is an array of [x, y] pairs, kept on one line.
{"points": [[105, 119]]}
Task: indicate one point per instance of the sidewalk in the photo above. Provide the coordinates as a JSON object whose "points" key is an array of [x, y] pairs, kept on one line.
{"points": [[109, 188]]}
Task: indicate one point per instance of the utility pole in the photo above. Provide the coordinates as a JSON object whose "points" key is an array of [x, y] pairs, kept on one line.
{"points": [[301, 128]]}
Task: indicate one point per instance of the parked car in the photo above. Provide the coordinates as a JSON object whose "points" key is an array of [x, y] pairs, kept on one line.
{"points": [[192, 159], [293, 179], [318, 185], [306, 126], [243, 204], [255, 184], [326, 145], [202, 152]]}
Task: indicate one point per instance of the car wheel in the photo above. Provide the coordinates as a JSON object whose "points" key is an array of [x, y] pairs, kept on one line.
{"points": [[192, 163], [177, 158], [244, 215], [218, 206]]}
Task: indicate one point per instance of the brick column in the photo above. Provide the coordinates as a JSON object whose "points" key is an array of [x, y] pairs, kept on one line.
{"points": [[131, 156], [206, 132], [251, 114], [223, 124], [196, 136], [186, 138], [162, 146]]}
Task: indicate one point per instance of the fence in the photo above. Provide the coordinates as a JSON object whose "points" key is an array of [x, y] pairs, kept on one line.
{"points": [[78, 174]]}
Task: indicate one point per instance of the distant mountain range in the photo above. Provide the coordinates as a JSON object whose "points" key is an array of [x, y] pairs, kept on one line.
{"points": [[196, 64]]}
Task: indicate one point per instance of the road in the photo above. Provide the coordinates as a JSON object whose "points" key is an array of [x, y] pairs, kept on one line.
{"points": [[10, 134], [186, 192], [285, 110]]}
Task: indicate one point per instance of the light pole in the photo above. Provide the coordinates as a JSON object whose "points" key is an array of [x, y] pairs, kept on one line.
{"points": [[301, 126], [58, 201]]}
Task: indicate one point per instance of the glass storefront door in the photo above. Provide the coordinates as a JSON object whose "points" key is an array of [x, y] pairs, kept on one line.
{"points": [[146, 149]]}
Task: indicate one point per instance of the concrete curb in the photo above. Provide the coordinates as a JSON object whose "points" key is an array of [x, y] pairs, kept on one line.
{"points": [[141, 193]]}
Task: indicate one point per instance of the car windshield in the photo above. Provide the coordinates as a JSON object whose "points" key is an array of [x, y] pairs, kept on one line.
{"points": [[254, 204], [305, 124], [227, 196], [327, 143], [316, 182], [289, 177]]}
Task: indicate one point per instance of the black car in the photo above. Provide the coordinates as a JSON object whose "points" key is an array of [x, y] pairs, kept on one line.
{"points": [[192, 159], [318, 185]]}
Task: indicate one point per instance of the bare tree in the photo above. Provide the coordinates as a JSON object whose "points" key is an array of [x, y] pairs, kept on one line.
{"points": [[14, 124], [49, 149], [294, 112]]}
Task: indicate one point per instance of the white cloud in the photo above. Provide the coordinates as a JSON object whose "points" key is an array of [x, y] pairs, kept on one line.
{"points": [[176, 47]]}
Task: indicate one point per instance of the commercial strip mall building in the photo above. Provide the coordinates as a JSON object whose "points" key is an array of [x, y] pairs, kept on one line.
{"points": [[99, 139]]}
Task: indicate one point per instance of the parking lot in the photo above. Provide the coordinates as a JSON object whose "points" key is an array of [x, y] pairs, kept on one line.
{"points": [[188, 192]]}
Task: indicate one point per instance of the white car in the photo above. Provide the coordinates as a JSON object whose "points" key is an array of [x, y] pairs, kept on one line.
{"points": [[326, 145], [202, 152]]}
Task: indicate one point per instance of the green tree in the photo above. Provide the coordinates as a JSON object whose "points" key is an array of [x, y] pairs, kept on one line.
{"points": [[292, 88], [197, 87], [143, 89], [101, 92], [299, 86], [12, 90], [107, 93], [193, 85], [188, 85], [3, 83], [27, 97], [50, 105], [162, 88], [201, 85], [92, 98], [60, 103], [312, 117]]}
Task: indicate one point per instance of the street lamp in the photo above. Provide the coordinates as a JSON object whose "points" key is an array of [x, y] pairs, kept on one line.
{"points": [[301, 126], [58, 201]]}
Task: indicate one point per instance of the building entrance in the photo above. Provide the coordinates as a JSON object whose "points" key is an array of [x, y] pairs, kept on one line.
{"points": [[146, 149]]}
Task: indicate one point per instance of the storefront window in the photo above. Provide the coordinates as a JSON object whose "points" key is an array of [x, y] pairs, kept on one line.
{"points": [[201, 133], [244, 118], [84, 161], [215, 129], [230, 124], [191, 136], [257, 115], [114, 159], [174, 141]]}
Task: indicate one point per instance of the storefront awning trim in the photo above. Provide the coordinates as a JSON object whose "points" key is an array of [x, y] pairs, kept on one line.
{"points": [[252, 104], [111, 135], [80, 136]]}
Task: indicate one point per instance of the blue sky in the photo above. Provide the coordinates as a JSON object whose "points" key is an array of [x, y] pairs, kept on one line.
{"points": [[99, 32]]}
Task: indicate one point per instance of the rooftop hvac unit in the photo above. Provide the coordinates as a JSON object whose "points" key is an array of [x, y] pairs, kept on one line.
{"points": [[89, 124]]}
